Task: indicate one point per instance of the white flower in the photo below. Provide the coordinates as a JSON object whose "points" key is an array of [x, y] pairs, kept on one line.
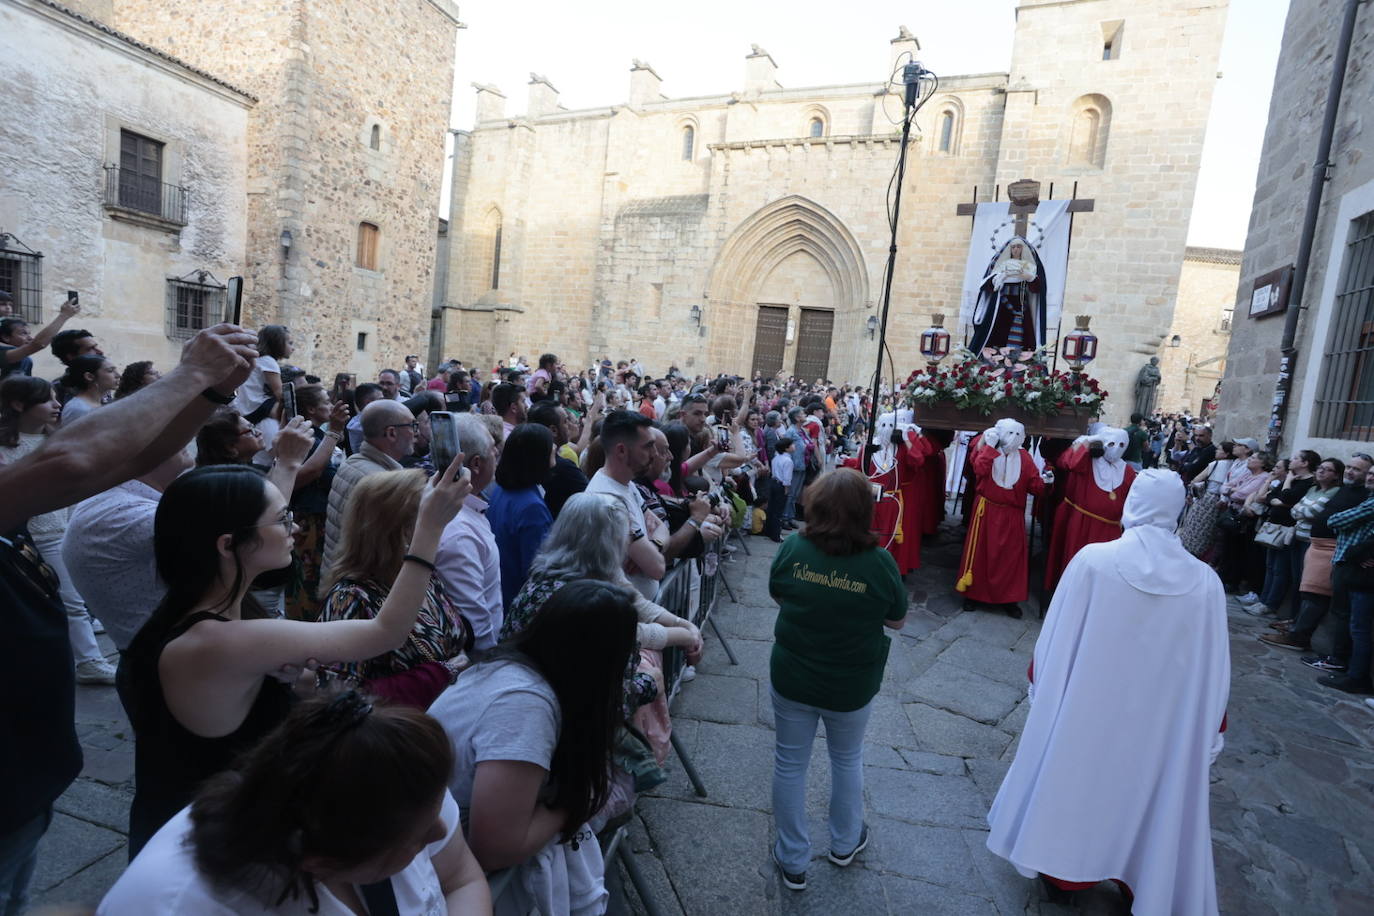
{"points": [[1032, 395]]}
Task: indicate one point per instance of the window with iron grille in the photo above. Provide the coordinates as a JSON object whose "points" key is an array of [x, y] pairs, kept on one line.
{"points": [[21, 275], [1345, 397], [1227, 316], [194, 303]]}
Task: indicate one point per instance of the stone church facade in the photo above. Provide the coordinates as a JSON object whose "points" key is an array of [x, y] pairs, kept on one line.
{"points": [[748, 231], [345, 153]]}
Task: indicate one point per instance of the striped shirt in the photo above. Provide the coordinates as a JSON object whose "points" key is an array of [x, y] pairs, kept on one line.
{"points": [[1353, 527], [1308, 508]]}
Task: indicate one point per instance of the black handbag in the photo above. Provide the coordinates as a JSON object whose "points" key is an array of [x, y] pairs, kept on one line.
{"points": [[1230, 520]]}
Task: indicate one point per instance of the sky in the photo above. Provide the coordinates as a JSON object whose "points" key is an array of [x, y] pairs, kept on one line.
{"points": [[698, 48]]}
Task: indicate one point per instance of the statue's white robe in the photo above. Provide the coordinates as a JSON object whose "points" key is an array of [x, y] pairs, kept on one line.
{"points": [[1132, 673]]}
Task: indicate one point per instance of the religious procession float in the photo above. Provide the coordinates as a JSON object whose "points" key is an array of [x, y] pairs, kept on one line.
{"points": [[1006, 382]]}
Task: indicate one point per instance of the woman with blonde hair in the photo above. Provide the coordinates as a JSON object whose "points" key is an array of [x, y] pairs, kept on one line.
{"points": [[836, 588], [378, 524]]}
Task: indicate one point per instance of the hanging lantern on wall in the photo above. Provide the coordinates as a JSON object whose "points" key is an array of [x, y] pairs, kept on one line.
{"points": [[935, 340], [1080, 345]]}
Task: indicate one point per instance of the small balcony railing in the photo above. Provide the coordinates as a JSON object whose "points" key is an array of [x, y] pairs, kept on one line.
{"points": [[128, 190]]}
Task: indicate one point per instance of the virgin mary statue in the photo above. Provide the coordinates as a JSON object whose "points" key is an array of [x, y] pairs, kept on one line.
{"points": [[1010, 311]]}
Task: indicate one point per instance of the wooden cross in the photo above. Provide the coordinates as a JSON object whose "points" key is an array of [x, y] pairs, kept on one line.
{"points": [[1024, 197]]}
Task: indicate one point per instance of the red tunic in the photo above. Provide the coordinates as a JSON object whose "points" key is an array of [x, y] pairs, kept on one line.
{"points": [[993, 568], [915, 496], [932, 486], [887, 517], [1088, 514]]}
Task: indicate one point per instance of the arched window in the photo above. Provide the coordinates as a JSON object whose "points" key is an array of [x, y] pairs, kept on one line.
{"points": [[689, 139], [947, 132], [817, 128], [496, 258], [486, 266], [1083, 145], [1088, 130], [376, 139], [368, 235]]}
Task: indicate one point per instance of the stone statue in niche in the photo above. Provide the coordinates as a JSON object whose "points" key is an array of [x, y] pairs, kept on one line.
{"points": [[1146, 385]]}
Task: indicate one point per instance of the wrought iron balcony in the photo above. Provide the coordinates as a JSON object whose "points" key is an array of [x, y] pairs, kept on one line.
{"points": [[125, 189]]}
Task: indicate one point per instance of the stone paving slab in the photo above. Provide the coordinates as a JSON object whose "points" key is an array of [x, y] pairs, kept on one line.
{"points": [[941, 732], [965, 693]]}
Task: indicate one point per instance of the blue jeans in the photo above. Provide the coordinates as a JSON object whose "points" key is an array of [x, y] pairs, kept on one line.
{"points": [[18, 858], [1278, 574], [1361, 619], [1297, 552], [844, 738], [794, 493]]}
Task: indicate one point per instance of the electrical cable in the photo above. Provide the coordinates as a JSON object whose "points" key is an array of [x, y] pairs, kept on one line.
{"points": [[914, 102]]}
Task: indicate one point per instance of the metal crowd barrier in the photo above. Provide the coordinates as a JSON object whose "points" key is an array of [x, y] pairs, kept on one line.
{"points": [[677, 594]]}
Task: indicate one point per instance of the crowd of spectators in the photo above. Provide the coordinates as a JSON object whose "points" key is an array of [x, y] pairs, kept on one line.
{"points": [[1291, 537], [289, 580]]}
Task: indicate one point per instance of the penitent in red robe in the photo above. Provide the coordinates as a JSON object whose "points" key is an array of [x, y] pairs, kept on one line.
{"points": [[1087, 515], [932, 486], [887, 516], [914, 486], [993, 568]]}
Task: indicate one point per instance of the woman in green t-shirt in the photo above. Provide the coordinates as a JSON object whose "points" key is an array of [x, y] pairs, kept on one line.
{"points": [[837, 590]]}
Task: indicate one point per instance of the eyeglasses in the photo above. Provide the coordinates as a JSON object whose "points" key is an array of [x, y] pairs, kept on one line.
{"points": [[287, 520], [414, 426], [1363, 457]]}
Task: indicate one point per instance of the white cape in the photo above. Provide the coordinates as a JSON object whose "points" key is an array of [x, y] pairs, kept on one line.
{"points": [[1132, 674]]}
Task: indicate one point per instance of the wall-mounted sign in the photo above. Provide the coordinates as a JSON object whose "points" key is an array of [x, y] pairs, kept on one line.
{"points": [[1270, 294]]}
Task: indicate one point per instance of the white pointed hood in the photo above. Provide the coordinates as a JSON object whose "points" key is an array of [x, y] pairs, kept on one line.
{"points": [[1151, 557]]}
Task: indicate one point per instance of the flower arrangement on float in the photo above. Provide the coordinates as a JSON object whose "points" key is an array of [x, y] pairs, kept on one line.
{"points": [[1014, 380]]}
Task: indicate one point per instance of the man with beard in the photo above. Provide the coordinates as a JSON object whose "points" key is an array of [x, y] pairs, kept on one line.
{"points": [[627, 440]]}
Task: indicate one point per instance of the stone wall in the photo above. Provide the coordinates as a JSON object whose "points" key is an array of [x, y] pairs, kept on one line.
{"points": [[327, 73], [1127, 254], [600, 250], [71, 86], [1202, 322], [1296, 112]]}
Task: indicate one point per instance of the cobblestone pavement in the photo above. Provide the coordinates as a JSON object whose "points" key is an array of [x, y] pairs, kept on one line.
{"points": [[1292, 806]]}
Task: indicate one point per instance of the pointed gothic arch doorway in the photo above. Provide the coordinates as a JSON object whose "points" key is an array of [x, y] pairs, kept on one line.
{"points": [[790, 271]]}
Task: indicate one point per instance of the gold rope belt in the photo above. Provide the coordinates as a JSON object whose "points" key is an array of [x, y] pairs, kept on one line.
{"points": [[1090, 514], [965, 580]]}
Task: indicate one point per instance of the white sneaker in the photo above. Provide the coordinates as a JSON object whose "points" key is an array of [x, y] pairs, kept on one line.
{"points": [[688, 674], [1248, 598], [95, 671], [97, 627], [1258, 609]]}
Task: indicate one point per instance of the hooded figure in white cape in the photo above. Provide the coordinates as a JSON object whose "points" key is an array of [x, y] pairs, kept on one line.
{"points": [[1130, 681]]}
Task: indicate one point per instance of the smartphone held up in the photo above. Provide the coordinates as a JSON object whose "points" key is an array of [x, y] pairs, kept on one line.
{"points": [[443, 439], [233, 301]]}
